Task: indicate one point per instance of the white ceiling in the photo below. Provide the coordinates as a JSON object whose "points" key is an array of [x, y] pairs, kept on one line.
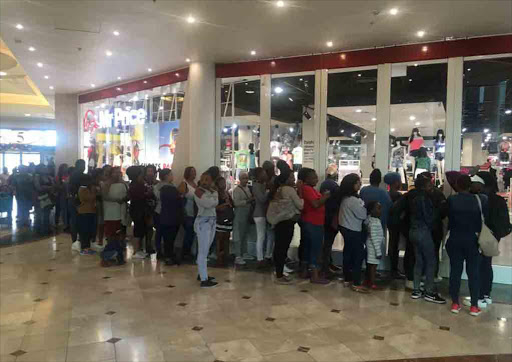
{"points": [[155, 33]]}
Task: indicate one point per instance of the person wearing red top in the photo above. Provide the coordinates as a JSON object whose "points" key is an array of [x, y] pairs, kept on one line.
{"points": [[313, 219]]}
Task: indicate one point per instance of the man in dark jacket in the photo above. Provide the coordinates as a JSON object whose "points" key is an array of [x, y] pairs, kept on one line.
{"points": [[331, 210]]}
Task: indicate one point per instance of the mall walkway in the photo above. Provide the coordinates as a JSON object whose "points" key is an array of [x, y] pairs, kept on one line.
{"points": [[58, 306]]}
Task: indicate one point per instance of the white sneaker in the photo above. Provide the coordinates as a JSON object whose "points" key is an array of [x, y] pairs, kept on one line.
{"points": [[97, 246], [76, 246], [482, 304], [139, 255], [239, 261], [409, 284], [248, 257], [438, 279], [488, 299], [287, 270], [467, 301]]}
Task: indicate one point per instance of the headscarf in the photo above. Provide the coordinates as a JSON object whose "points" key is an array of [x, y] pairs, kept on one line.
{"points": [[452, 177]]}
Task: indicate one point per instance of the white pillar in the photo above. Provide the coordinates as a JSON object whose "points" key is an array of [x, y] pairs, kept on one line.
{"points": [[196, 141], [383, 117], [265, 123], [454, 113], [67, 124]]}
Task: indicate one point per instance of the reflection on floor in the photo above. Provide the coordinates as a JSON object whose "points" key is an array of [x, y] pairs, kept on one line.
{"points": [[58, 306]]}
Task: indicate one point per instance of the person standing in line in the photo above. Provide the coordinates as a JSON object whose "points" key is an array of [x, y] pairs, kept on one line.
{"points": [[225, 217], [74, 185], [420, 233], [24, 189], [207, 200], [114, 195], [374, 241], [375, 193], [394, 181], [263, 231], [156, 215], [285, 190], [4, 176], [86, 214], [150, 180], [351, 216], [313, 218], [331, 212], [465, 224], [171, 214], [187, 188], [45, 199], [61, 202], [99, 233], [244, 202]]}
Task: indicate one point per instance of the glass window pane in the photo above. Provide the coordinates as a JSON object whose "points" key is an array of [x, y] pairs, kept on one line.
{"points": [[292, 120], [417, 120], [27, 158], [12, 160], [351, 122]]}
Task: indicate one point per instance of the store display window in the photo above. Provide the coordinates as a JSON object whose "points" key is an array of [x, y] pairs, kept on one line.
{"points": [[133, 129], [351, 122], [292, 133], [240, 134], [418, 120]]}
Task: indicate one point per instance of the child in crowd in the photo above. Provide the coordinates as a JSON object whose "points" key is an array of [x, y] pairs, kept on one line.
{"points": [[86, 220], [114, 249], [373, 242]]}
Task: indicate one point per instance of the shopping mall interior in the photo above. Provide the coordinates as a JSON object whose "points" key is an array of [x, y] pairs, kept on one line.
{"points": [[409, 87]]}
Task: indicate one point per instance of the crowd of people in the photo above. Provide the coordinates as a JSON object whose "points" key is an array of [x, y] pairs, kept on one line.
{"points": [[98, 208]]}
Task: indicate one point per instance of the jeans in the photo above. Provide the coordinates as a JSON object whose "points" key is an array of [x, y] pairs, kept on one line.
{"points": [[73, 216], [329, 236], [284, 235], [188, 238], [205, 228], [315, 239], [42, 220], [264, 232], [241, 229], [460, 250], [24, 207], [158, 234], [86, 229], [169, 232], [486, 276], [409, 258], [113, 249], [353, 255], [425, 256], [394, 252]]}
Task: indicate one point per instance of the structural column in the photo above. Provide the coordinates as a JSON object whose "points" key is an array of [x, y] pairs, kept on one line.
{"points": [[196, 141], [67, 125], [383, 118]]}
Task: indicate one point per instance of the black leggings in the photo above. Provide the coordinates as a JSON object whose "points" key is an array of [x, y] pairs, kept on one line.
{"points": [[283, 238], [353, 255]]}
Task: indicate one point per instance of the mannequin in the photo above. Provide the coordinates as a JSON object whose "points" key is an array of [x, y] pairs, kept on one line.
{"points": [[440, 149], [242, 160], [416, 141], [505, 148], [297, 157], [275, 147], [422, 162], [397, 161], [252, 157]]}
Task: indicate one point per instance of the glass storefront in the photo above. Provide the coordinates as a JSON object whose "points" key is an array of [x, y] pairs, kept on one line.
{"points": [[23, 147], [133, 129]]}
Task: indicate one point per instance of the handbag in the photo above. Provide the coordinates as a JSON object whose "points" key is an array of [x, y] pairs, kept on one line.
{"points": [[44, 201], [281, 210], [486, 240], [250, 217]]}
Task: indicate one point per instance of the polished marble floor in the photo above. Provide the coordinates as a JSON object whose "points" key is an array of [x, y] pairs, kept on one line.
{"points": [[58, 306]]}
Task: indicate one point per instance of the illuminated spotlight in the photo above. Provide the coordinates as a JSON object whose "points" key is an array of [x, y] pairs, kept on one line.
{"points": [[418, 123], [359, 110], [40, 65], [342, 131], [253, 52], [280, 4], [424, 49], [108, 53], [508, 111], [278, 90], [392, 130], [412, 118], [225, 130], [115, 32], [393, 11], [486, 130], [3, 74], [464, 129], [374, 119], [119, 78], [19, 26], [51, 87], [46, 77], [187, 60], [420, 33], [150, 70], [329, 44], [191, 20], [291, 129], [235, 126], [27, 114], [93, 85], [32, 49], [291, 100]]}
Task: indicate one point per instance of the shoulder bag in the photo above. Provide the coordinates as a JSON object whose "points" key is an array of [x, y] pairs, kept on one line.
{"points": [[280, 209], [486, 240], [250, 217]]}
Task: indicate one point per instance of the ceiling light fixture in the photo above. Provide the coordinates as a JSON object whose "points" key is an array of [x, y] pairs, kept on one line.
{"points": [[119, 78], [177, 74], [40, 65], [119, 89], [115, 32], [374, 119], [150, 70], [415, 64], [235, 126], [27, 114], [145, 82], [19, 26], [343, 56], [291, 129], [392, 130], [486, 130], [51, 87], [359, 75], [3, 74], [187, 60], [410, 80], [464, 129], [342, 131], [280, 4], [161, 108], [225, 130], [483, 145], [249, 91], [421, 33], [508, 111], [278, 90], [32, 49], [393, 11], [108, 53], [330, 44], [504, 138], [418, 123], [291, 100], [93, 85], [253, 52], [191, 20], [424, 49], [46, 77], [412, 118], [359, 110]]}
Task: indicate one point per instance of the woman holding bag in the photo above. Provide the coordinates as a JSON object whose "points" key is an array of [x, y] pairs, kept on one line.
{"points": [[243, 201]]}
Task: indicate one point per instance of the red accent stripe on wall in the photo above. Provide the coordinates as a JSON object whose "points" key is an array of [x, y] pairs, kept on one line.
{"points": [[359, 58], [159, 80]]}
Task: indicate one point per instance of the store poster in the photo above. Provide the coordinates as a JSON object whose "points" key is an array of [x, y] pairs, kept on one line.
{"points": [[168, 135]]}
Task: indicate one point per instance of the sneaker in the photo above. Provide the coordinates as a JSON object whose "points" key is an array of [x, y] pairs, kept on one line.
{"points": [[359, 289], [239, 261], [335, 269], [347, 284], [97, 246], [434, 298], [467, 301], [409, 284], [248, 257], [488, 299], [139, 255], [76, 246], [438, 279], [398, 275], [287, 270], [455, 308], [208, 284], [482, 304], [284, 280], [87, 252], [416, 294], [209, 278], [475, 311]]}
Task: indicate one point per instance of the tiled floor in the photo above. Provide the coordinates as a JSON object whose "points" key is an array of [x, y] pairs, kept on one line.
{"points": [[58, 306]]}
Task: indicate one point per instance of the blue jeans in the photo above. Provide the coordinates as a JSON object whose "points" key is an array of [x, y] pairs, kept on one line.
{"points": [[353, 255], [188, 238], [24, 207], [113, 249], [158, 234], [42, 220], [460, 250], [313, 246], [73, 216], [425, 255], [205, 229]]}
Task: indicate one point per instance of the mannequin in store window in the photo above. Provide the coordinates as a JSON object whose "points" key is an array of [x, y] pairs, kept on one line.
{"points": [[242, 161], [297, 157], [505, 149], [439, 151], [416, 142], [422, 162], [397, 161], [275, 147], [252, 160]]}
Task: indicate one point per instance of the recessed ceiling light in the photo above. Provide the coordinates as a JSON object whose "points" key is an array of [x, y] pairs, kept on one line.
{"points": [[329, 44], [116, 33], [392, 130], [486, 130], [418, 123], [145, 82], [253, 52], [421, 33], [225, 130], [469, 69], [119, 89], [412, 118], [27, 114], [359, 75], [150, 70], [278, 90], [342, 131], [415, 64], [410, 80], [46, 77], [508, 111], [40, 65], [249, 91], [191, 20], [393, 11], [359, 110], [108, 53], [19, 26], [161, 108], [119, 78], [3, 74], [93, 85], [280, 4], [291, 100], [51, 87], [32, 49], [187, 60], [424, 49], [177, 74], [374, 119], [464, 129], [235, 125]]}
